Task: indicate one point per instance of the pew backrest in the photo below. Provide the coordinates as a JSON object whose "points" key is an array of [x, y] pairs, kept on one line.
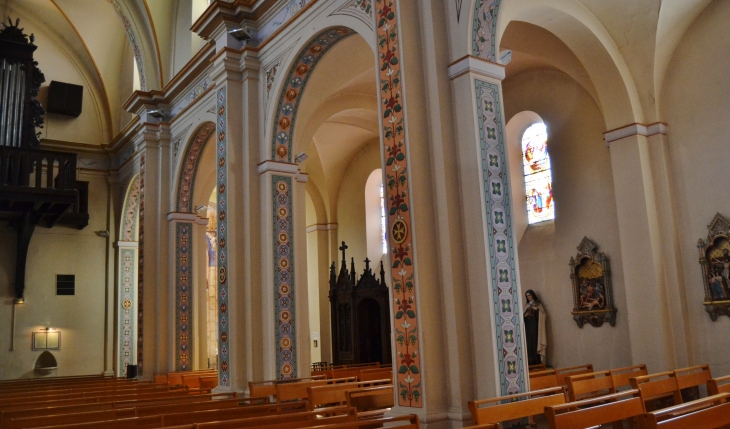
{"points": [[562, 373], [371, 401], [621, 376], [694, 376], [681, 414], [655, 386], [719, 385], [511, 407], [543, 379], [589, 385], [596, 411], [319, 396], [296, 391]]}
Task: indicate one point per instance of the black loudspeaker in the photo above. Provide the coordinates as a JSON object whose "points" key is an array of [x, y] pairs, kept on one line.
{"points": [[65, 98], [131, 371]]}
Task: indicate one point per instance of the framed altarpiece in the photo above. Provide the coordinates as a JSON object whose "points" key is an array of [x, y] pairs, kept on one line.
{"points": [[715, 264], [590, 273]]}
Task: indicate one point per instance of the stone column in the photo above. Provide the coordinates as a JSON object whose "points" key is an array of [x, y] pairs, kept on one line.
{"points": [[648, 246], [286, 329], [493, 283]]}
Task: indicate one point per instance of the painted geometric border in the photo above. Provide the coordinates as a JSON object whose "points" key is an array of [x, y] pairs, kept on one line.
{"points": [[140, 268], [400, 213], [190, 166], [286, 360], [183, 296], [484, 29], [501, 249], [292, 91], [224, 375], [127, 309]]}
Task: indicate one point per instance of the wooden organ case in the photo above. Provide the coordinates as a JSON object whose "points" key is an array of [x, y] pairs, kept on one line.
{"points": [[360, 314], [37, 187]]}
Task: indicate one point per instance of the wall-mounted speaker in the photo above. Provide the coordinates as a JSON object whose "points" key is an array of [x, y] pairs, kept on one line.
{"points": [[65, 98]]}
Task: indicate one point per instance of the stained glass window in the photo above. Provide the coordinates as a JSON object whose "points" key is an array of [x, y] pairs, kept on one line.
{"points": [[538, 177], [383, 233]]}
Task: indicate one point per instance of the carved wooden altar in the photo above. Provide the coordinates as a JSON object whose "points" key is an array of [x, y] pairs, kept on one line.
{"points": [[359, 314]]}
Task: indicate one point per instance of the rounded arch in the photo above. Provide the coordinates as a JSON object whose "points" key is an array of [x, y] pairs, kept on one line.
{"points": [[292, 89], [189, 166], [581, 31], [129, 225]]}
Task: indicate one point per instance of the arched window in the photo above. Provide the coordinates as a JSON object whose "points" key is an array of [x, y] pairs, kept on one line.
{"points": [[375, 216], [538, 177]]}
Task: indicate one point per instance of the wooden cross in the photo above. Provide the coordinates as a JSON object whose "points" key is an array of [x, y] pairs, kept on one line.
{"points": [[343, 248]]}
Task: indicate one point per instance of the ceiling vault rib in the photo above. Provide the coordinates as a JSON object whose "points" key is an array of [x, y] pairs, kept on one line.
{"points": [[105, 95], [157, 45]]}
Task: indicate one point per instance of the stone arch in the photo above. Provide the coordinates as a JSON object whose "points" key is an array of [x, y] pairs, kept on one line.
{"points": [[128, 267], [293, 87], [189, 166]]}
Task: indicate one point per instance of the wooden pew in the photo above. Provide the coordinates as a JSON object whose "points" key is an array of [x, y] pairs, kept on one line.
{"points": [[187, 418], [537, 367], [589, 385], [657, 386], [562, 373], [321, 396], [518, 406], [208, 382], [20, 399], [692, 377], [719, 385], [268, 387], [543, 379], [376, 374], [399, 422], [298, 391], [371, 402], [706, 413], [93, 400], [6, 416], [622, 376], [596, 411], [332, 415]]}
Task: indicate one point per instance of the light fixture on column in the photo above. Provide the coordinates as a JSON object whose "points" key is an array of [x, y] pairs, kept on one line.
{"points": [[301, 158]]}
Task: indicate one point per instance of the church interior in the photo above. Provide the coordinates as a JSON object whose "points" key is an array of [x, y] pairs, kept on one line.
{"points": [[281, 192]]}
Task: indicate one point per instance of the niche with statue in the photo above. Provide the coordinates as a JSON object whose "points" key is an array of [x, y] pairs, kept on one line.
{"points": [[590, 273]]}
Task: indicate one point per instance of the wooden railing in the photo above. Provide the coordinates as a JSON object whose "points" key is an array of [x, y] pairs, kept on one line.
{"points": [[25, 167]]}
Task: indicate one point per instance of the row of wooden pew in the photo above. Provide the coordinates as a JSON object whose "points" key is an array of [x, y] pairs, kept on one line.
{"points": [[197, 380], [577, 397]]}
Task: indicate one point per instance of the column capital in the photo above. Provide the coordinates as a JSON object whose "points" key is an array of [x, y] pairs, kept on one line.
{"points": [[186, 217], [633, 130], [471, 64]]}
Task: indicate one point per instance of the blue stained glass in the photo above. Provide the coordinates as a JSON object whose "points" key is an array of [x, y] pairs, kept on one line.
{"points": [[538, 177]]}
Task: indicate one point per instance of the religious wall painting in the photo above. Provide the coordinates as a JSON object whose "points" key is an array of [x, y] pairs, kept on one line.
{"points": [[590, 274], [715, 266]]}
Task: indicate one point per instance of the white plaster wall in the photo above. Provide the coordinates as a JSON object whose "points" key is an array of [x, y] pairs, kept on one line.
{"points": [[351, 204], [584, 206], [81, 317], [696, 107]]}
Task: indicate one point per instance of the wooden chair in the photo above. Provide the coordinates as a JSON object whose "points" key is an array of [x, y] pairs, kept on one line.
{"points": [[710, 412], [621, 376], [589, 385], [543, 379], [596, 411], [562, 373], [719, 385], [518, 406], [658, 386]]}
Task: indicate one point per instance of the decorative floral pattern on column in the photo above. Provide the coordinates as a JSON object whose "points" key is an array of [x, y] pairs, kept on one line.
{"points": [[484, 29], [127, 266], [293, 89], [286, 358], [140, 269], [224, 374], [408, 361], [183, 296], [190, 167], [499, 231]]}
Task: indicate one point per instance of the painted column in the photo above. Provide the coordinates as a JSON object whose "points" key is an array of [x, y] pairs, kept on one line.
{"points": [[126, 307], [286, 338], [200, 292], [493, 274], [647, 298], [182, 231]]}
